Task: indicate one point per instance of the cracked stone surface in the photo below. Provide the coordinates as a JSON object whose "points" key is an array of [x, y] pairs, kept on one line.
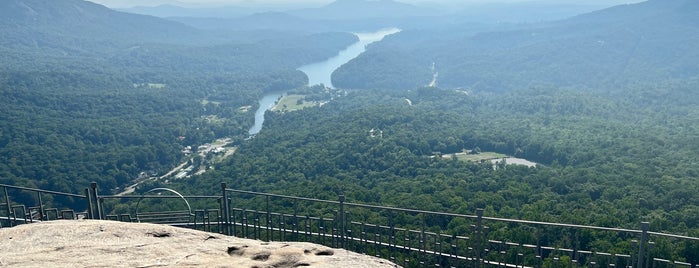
{"points": [[90, 243]]}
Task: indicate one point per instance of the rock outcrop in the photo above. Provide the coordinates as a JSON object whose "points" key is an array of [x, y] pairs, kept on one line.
{"points": [[91, 243]]}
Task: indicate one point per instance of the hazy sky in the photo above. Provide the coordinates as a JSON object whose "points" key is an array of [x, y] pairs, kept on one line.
{"points": [[130, 3]]}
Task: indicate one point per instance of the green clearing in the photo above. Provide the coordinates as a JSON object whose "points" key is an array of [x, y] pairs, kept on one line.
{"points": [[150, 85], [213, 119], [156, 86], [205, 102], [465, 156], [292, 103]]}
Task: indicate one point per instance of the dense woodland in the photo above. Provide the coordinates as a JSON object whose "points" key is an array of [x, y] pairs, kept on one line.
{"points": [[616, 160], [605, 160], [105, 109]]}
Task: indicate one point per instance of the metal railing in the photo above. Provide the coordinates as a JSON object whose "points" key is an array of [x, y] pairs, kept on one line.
{"points": [[407, 237], [437, 239], [34, 206]]}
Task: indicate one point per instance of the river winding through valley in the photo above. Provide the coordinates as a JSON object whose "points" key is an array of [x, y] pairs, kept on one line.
{"points": [[321, 72]]}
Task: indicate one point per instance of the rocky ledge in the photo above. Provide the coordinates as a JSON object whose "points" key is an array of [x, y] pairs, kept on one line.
{"points": [[91, 243]]}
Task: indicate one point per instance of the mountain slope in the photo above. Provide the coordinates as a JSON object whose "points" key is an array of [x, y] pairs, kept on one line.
{"points": [[76, 27], [167, 10], [641, 43]]}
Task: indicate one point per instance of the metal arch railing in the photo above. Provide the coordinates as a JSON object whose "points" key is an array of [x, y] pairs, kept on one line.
{"points": [[138, 204]]}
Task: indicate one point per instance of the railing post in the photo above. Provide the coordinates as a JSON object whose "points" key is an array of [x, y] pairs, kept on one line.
{"points": [[41, 207], [645, 227], [343, 227], [9, 209], [479, 237], [268, 219], [95, 197], [89, 203], [226, 208], [102, 214]]}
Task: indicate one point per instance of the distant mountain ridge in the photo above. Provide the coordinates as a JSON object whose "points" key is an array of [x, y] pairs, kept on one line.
{"points": [[648, 42], [63, 32], [168, 10], [363, 9], [77, 18]]}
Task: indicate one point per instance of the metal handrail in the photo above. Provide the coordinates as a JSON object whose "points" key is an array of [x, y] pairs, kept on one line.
{"points": [[453, 214], [41, 191], [344, 230], [637, 257]]}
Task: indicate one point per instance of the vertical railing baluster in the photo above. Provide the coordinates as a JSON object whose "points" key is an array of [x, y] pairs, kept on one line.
{"points": [[294, 225], [89, 203], [423, 249], [407, 244], [377, 240], [101, 208], [308, 230], [457, 245], [9, 207], [321, 231], [649, 260], [226, 208], [539, 253], [635, 253], [363, 238], [438, 248], [244, 223], [95, 197], [41, 207], [333, 230], [282, 223], [268, 219], [347, 225], [343, 226], [645, 227], [479, 237], [256, 225], [392, 238]]}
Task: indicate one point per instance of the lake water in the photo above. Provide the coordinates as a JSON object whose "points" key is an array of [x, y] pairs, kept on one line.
{"points": [[266, 103], [320, 72]]}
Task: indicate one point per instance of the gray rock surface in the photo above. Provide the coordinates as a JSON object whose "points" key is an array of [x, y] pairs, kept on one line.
{"points": [[91, 243]]}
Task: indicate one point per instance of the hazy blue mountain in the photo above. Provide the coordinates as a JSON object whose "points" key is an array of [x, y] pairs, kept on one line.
{"points": [[36, 34], [166, 11], [363, 9], [520, 12], [80, 20], [647, 42], [277, 21]]}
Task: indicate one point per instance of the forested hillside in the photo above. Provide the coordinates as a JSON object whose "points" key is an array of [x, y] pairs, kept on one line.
{"points": [[614, 159], [91, 94], [646, 42]]}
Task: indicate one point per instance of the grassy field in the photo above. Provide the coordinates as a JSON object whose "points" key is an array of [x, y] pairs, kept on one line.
{"points": [[292, 103], [477, 157]]}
